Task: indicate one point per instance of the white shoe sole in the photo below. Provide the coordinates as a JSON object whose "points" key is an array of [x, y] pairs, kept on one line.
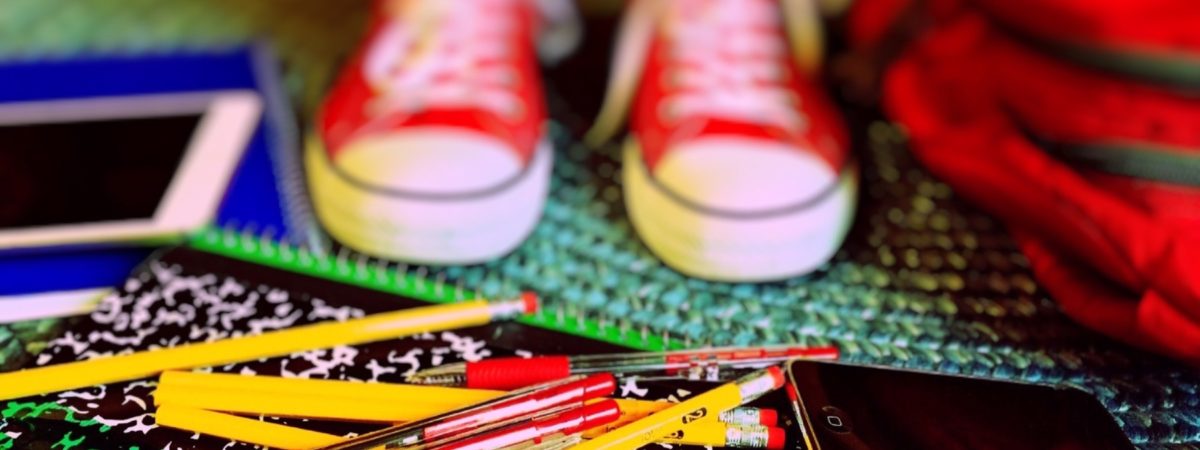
{"points": [[724, 246], [428, 229]]}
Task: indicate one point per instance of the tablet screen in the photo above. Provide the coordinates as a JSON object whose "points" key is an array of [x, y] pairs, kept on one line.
{"points": [[89, 171]]}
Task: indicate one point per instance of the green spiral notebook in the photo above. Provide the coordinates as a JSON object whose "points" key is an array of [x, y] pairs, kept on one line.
{"points": [[358, 270]]}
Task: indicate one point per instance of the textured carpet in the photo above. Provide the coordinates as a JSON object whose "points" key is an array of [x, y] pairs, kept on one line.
{"points": [[923, 281]]}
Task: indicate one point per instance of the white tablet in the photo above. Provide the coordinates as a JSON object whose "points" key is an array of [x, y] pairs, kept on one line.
{"points": [[118, 169]]}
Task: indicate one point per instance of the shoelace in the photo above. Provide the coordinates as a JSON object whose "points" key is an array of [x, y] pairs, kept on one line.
{"points": [[442, 53], [728, 55]]}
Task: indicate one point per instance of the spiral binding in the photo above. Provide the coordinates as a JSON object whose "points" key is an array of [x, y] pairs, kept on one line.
{"points": [[289, 172], [248, 242]]}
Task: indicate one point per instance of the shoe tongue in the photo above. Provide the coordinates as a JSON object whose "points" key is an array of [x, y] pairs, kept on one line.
{"points": [[725, 12], [427, 15]]}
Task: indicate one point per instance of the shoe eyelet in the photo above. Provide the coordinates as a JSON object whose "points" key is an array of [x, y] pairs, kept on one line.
{"points": [[372, 107], [671, 79], [515, 111], [412, 105], [793, 99], [668, 111], [778, 73], [801, 122], [509, 77]]}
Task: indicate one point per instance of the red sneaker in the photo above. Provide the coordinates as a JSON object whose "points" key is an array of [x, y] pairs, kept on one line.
{"points": [[737, 167], [431, 144]]}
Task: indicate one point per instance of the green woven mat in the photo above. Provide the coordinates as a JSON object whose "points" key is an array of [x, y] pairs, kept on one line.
{"points": [[922, 282]]}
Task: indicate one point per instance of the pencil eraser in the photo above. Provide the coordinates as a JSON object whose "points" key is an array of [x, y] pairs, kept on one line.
{"points": [[776, 438], [531, 302], [821, 353], [776, 375], [833, 354], [768, 417]]}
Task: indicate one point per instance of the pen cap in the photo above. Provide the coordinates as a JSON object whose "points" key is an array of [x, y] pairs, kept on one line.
{"points": [[599, 385], [584, 388], [513, 373], [598, 414], [581, 419]]}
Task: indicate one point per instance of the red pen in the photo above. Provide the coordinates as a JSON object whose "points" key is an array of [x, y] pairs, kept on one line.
{"points": [[705, 364], [565, 423], [486, 416]]}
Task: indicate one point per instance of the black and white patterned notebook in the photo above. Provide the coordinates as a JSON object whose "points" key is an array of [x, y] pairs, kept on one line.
{"points": [[186, 295]]}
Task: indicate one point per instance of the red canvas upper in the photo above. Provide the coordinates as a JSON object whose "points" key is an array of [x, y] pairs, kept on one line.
{"points": [[1117, 251], [472, 67], [719, 68]]}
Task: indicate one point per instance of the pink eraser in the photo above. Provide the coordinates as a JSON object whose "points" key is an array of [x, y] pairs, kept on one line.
{"points": [[777, 375], [531, 302], [768, 417], [776, 438]]}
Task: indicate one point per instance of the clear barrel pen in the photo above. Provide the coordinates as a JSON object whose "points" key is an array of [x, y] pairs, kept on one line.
{"points": [[471, 420], [534, 431], [707, 364]]}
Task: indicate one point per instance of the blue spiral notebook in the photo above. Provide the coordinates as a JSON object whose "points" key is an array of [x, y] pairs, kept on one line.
{"points": [[261, 192]]}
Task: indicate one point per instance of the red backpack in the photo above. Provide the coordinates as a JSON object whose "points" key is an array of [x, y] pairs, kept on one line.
{"points": [[1077, 122]]}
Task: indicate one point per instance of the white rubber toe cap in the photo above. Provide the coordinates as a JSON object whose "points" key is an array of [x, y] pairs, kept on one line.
{"points": [[428, 229], [743, 176], [430, 161], [779, 217]]}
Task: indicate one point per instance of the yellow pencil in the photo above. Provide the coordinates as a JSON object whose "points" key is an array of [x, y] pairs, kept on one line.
{"points": [[375, 402], [329, 399], [303, 387], [318, 399], [709, 404], [241, 429], [385, 408], [321, 335], [718, 434], [274, 435], [309, 406], [640, 409]]}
